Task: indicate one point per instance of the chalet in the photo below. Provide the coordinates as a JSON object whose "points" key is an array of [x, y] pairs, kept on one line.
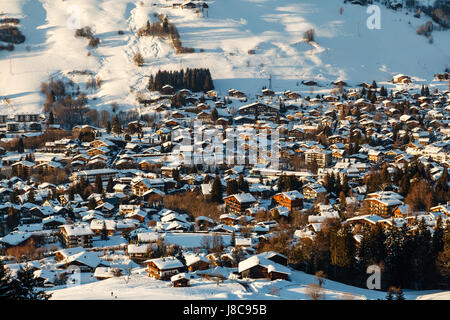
{"points": [[321, 157], [167, 90], [196, 262], [138, 252], [180, 280], [91, 175], [23, 167], [260, 267], [313, 190], [75, 235], [163, 268], [258, 108], [290, 199], [401, 78], [141, 186], [97, 226], [237, 203], [84, 260], [376, 155], [103, 273], [228, 219], [383, 203]]}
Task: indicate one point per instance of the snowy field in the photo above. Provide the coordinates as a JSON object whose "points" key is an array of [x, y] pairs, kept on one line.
{"points": [[141, 287], [345, 50]]}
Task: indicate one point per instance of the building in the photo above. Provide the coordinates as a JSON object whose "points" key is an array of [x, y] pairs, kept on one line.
{"points": [[76, 235], [383, 203], [238, 203], [91, 175], [321, 157], [290, 199], [260, 267], [163, 268]]}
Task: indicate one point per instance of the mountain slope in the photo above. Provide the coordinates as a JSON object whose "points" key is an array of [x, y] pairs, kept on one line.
{"points": [[345, 50]]}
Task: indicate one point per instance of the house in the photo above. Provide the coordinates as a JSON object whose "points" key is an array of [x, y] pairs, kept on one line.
{"points": [[238, 203], [313, 190], [75, 235], [138, 252], [383, 203], [290, 199], [103, 273], [260, 267], [321, 157], [401, 78], [163, 268], [85, 261], [196, 262], [180, 280], [91, 175]]}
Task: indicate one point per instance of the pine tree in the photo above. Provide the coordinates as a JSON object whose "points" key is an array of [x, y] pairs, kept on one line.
{"points": [[92, 204], [20, 146], [5, 280], [104, 232], [24, 286], [51, 118], [98, 185], [214, 115], [216, 190], [31, 196], [232, 187], [116, 126], [242, 184], [110, 185], [399, 294]]}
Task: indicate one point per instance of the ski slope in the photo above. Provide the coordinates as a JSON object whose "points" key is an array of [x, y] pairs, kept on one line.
{"points": [[222, 35], [138, 286]]}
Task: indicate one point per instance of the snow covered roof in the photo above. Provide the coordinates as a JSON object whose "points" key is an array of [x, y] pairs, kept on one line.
{"points": [[79, 229], [243, 197], [166, 263], [264, 262]]}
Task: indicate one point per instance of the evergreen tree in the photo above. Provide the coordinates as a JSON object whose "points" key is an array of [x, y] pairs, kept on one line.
{"points": [[24, 286], [98, 185], [51, 119], [108, 127], [242, 184], [110, 185], [232, 187], [399, 294], [214, 115], [31, 196], [5, 280], [216, 190], [116, 126], [92, 204], [20, 146], [104, 232]]}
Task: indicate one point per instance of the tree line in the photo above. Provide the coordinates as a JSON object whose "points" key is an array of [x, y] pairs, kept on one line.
{"points": [[195, 80]]}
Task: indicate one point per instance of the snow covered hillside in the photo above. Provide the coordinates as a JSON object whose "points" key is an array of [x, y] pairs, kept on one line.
{"points": [[140, 287], [222, 36]]}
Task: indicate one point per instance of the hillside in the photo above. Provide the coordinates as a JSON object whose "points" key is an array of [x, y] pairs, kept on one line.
{"points": [[139, 286], [222, 35]]}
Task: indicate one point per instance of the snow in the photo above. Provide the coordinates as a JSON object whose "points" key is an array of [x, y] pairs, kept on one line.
{"points": [[345, 50], [141, 287]]}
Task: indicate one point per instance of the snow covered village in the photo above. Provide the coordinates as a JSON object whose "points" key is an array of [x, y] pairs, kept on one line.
{"points": [[189, 150]]}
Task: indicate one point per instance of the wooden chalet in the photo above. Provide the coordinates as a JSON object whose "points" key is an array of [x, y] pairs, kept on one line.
{"points": [[238, 203], [290, 199], [163, 268]]}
